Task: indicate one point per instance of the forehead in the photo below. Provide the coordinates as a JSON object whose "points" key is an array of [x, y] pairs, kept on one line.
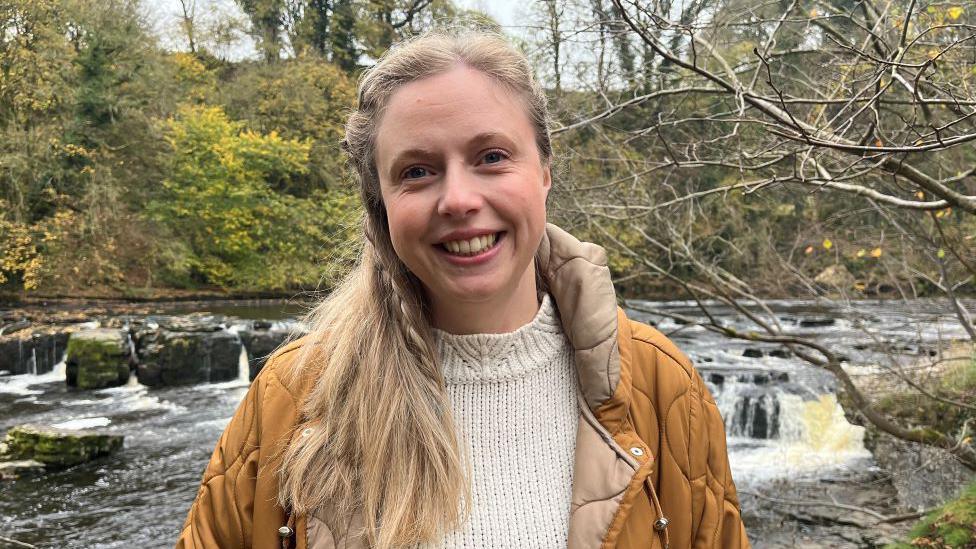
{"points": [[444, 109]]}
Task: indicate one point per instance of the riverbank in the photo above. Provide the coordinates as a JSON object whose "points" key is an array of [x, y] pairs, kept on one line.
{"points": [[155, 295], [38, 312], [853, 508]]}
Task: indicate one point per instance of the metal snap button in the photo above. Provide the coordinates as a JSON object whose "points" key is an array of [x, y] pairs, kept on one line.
{"points": [[285, 532], [637, 451], [661, 523]]}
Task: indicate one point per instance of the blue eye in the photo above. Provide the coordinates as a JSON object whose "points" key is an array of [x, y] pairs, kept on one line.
{"points": [[494, 157], [415, 173]]}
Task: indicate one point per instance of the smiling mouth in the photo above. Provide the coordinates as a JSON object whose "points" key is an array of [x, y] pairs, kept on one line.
{"points": [[472, 246]]}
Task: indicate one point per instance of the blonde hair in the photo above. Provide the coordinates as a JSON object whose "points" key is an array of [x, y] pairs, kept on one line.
{"points": [[379, 438]]}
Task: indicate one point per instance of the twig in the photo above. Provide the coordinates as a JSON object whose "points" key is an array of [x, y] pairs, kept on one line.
{"points": [[810, 503], [18, 543]]}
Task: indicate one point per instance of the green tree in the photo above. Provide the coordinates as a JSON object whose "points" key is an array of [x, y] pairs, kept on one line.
{"points": [[319, 96], [36, 93], [232, 229]]}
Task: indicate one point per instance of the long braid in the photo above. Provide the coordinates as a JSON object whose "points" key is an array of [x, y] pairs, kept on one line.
{"points": [[401, 297], [407, 309], [401, 291]]}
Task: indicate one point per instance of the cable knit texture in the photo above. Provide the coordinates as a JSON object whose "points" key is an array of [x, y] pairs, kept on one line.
{"points": [[514, 399]]}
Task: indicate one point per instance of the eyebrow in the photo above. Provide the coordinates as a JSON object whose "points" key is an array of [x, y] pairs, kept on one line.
{"points": [[408, 154], [487, 136]]}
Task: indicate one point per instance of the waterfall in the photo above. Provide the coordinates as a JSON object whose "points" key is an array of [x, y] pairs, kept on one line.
{"points": [[749, 410], [243, 367], [778, 428]]}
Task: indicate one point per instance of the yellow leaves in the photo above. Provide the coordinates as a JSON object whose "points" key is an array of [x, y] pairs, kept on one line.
{"points": [[221, 196], [828, 244], [920, 195], [955, 12], [943, 213], [72, 150], [188, 64], [875, 253], [19, 255], [814, 13]]}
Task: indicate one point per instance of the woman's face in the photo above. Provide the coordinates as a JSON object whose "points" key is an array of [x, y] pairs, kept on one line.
{"points": [[464, 189]]}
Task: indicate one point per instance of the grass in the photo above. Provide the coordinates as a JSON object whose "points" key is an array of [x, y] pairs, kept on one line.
{"points": [[952, 526]]}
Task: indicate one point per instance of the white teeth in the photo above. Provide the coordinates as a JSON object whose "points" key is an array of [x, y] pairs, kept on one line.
{"points": [[471, 246]]}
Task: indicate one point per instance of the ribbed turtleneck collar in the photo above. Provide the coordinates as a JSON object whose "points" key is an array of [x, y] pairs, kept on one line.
{"points": [[483, 358]]}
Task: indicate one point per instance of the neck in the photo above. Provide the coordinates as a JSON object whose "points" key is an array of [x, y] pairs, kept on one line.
{"points": [[498, 315]]}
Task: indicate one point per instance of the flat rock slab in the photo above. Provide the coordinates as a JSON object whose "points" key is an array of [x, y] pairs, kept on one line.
{"points": [[59, 447]]}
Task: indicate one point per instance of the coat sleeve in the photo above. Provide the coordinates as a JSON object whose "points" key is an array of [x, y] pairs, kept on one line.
{"points": [[221, 514], [721, 524]]}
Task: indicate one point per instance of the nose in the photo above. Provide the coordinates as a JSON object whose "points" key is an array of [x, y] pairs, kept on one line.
{"points": [[460, 194]]}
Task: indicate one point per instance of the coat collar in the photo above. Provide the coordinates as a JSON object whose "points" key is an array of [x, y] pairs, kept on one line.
{"points": [[578, 278], [611, 462]]}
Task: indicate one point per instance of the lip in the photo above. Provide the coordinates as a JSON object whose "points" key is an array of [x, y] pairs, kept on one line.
{"points": [[471, 260], [464, 234]]}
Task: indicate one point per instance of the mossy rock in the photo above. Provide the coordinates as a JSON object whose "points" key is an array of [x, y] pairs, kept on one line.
{"points": [[952, 526], [97, 358], [59, 447]]}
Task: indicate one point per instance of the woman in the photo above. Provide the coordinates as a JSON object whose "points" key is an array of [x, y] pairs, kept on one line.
{"points": [[472, 383]]}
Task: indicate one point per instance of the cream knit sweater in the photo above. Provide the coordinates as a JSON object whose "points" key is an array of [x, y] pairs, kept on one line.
{"points": [[514, 400]]}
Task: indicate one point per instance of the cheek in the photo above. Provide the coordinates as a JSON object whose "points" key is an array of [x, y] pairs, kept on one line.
{"points": [[531, 203], [406, 227]]}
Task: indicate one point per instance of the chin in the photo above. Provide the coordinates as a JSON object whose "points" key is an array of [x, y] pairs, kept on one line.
{"points": [[473, 292]]}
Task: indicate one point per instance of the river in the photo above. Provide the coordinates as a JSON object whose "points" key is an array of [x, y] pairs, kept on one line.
{"points": [[781, 415]]}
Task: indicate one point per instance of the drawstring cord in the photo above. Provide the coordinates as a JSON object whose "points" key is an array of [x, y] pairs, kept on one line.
{"points": [[661, 523]]}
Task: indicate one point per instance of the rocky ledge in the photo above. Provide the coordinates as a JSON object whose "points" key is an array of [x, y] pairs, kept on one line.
{"points": [[54, 448]]}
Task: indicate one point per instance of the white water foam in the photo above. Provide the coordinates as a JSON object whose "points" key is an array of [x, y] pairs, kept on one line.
{"points": [[83, 423], [232, 384], [19, 384], [135, 398]]}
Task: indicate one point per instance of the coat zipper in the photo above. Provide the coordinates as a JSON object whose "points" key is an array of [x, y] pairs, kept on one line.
{"points": [[660, 525]]}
